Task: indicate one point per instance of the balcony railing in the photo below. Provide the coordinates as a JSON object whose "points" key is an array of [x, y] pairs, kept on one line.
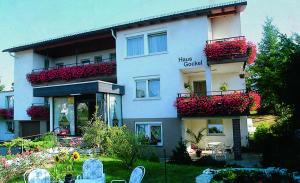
{"points": [[212, 93], [234, 102], [71, 71], [232, 48]]}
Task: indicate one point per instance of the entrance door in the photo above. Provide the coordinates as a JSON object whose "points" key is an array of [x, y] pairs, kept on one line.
{"points": [[199, 88], [85, 107]]}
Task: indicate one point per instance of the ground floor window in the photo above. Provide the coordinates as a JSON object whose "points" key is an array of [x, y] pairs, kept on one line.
{"points": [[10, 126], [152, 131], [215, 127]]}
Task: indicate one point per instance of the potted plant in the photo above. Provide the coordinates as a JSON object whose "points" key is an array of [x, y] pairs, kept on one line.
{"points": [[224, 87], [195, 139], [242, 75]]}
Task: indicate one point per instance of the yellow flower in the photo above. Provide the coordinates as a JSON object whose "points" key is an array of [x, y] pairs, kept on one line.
{"points": [[56, 158], [75, 155]]}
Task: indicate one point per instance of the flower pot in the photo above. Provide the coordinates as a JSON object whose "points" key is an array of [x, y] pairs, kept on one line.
{"points": [[198, 152], [242, 75], [69, 179]]}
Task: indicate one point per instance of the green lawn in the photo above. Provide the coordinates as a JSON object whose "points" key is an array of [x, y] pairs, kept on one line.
{"points": [[113, 169]]}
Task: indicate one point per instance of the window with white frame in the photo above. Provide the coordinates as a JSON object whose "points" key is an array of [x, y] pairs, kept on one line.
{"points": [[135, 46], [215, 127], [147, 88], [157, 42], [152, 131]]}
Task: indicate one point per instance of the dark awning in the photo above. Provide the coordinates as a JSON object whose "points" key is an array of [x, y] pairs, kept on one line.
{"points": [[78, 88]]}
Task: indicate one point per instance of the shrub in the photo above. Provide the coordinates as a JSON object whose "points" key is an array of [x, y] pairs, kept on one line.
{"points": [[180, 154], [96, 134], [125, 145], [260, 136]]}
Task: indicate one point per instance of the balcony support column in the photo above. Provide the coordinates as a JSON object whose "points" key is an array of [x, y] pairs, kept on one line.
{"points": [[208, 80], [237, 150]]}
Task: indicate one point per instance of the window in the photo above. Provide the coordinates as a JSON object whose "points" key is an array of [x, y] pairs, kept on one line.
{"points": [[157, 42], [152, 131], [9, 101], [148, 88], [112, 57], [85, 61], [215, 127], [10, 126], [98, 59], [135, 46], [59, 65]]}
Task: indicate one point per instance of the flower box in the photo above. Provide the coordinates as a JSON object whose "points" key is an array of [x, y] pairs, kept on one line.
{"points": [[38, 112], [230, 48], [222, 105], [7, 113], [71, 73]]}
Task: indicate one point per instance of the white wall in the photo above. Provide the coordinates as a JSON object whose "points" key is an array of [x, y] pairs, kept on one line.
{"points": [[25, 61], [195, 124], [226, 26], [185, 38]]}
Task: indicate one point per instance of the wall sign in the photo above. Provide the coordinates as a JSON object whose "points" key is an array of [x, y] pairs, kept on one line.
{"points": [[189, 61]]}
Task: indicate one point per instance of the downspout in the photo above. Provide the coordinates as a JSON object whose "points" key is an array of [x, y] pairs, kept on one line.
{"points": [[113, 34], [11, 55]]}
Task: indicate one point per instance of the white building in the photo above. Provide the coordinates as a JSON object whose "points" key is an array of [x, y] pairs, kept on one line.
{"points": [[158, 60]]}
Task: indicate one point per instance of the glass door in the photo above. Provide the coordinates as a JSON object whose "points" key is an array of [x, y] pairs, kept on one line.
{"points": [[85, 107]]}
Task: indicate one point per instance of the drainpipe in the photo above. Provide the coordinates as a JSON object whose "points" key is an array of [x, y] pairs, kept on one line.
{"points": [[113, 33]]}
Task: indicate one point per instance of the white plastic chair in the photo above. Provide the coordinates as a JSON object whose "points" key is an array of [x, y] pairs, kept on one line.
{"points": [[37, 176], [136, 176], [92, 171]]}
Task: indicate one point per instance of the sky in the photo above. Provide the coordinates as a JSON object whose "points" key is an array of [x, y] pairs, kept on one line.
{"points": [[26, 21]]}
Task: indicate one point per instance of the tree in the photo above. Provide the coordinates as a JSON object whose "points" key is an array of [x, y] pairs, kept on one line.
{"points": [[268, 68]]}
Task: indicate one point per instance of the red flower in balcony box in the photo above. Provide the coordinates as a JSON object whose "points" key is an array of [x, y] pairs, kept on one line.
{"points": [[7, 113], [251, 52], [90, 70], [53, 74], [254, 101], [231, 104], [38, 112]]}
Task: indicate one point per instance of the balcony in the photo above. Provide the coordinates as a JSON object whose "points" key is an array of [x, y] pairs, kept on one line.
{"points": [[69, 72], [7, 113], [227, 50], [39, 111], [229, 103]]}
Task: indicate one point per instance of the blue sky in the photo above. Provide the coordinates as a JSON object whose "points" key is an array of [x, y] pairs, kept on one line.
{"points": [[33, 20]]}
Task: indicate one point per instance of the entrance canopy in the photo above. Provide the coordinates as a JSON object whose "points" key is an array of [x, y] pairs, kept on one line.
{"points": [[78, 89]]}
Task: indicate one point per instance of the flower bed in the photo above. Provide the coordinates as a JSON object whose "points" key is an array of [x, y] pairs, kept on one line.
{"points": [[70, 73], [231, 48], [230, 104], [7, 113], [38, 112], [245, 175]]}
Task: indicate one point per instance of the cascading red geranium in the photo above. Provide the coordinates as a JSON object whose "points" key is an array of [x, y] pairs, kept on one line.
{"points": [[254, 101], [38, 112], [231, 104], [74, 72], [7, 113], [227, 49]]}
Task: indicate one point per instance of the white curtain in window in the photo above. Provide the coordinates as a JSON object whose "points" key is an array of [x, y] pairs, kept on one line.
{"points": [[141, 89], [157, 42], [135, 46], [154, 88]]}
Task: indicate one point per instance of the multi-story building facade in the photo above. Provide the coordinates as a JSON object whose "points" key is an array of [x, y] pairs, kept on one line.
{"points": [[143, 74]]}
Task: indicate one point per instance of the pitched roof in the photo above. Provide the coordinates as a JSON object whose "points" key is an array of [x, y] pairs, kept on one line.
{"points": [[203, 7]]}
